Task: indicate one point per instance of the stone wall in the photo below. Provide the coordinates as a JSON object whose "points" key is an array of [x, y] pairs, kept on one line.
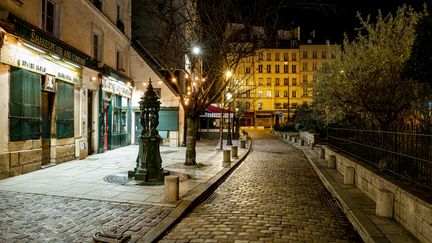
{"points": [[62, 150], [23, 157], [409, 210]]}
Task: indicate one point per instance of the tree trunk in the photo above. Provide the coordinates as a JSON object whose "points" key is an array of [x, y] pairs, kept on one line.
{"points": [[192, 125]]}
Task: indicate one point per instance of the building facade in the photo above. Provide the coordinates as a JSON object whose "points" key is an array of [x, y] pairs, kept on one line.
{"points": [[67, 75], [276, 81]]}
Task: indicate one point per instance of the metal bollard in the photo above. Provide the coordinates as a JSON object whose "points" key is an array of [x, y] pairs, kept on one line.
{"points": [[242, 144], [226, 156], [322, 153], [234, 151], [171, 188], [331, 163]]}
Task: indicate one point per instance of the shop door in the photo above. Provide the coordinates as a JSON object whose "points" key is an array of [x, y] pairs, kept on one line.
{"points": [[89, 121], [46, 112], [106, 128], [138, 127]]}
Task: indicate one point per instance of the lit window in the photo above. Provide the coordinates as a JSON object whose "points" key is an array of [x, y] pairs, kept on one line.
{"points": [[268, 94], [260, 93], [260, 106]]}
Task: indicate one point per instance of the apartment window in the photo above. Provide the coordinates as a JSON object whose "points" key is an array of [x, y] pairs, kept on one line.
{"points": [[305, 67], [294, 105], [277, 68], [333, 55], [285, 68], [304, 54], [260, 56], [268, 94], [260, 93], [285, 93], [269, 56], [50, 17], [324, 55], [294, 68], [269, 81], [277, 81], [260, 81], [277, 56], [314, 54], [285, 105], [277, 93], [294, 81], [119, 23], [260, 106], [285, 56], [294, 94], [268, 68], [247, 105], [247, 93], [97, 45], [294, 57], [119, 60], [277, 105], [247, 70], [260, 68], [98, 4], [286, 81], [305, 78], [314, 66]]}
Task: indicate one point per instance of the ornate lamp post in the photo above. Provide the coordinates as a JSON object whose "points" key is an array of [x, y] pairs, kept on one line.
{"points": [[229, 96], [149, 163]]}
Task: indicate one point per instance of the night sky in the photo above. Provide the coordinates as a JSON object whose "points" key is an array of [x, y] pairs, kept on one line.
{"points": [[331, 18]]}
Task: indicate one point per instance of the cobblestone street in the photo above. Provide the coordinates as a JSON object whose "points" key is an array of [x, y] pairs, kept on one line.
{"points": [[274, 196], [43, 218]]}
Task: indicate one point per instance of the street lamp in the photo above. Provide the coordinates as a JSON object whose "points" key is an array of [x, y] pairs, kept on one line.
{"points": [[229, 96]]}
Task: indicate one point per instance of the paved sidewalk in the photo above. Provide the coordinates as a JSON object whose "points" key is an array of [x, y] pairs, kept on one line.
{"points": [[70, 202]]}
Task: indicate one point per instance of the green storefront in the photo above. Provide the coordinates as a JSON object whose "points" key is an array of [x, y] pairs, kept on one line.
{"points": [[114, 111]]}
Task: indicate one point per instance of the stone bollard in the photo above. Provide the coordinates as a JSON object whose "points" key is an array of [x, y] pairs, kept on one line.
{"points": [[301, 142], [384, 204], [234, 151], [331, 163], [242, 144], [312, 145], [349, 176], [226, 156], [322, 153], [171, 188]]}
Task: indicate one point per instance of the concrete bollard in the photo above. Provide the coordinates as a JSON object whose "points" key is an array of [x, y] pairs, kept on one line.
{"points": [[349, 176], [322, 153], [331, 163], [301, 142], [384, 204], [312, 145], [226, 156], [234, 151], [242, 144], [171, 188]]}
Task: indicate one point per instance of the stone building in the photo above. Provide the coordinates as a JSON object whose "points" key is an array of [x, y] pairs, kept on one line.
{"points": [[69, 81]]}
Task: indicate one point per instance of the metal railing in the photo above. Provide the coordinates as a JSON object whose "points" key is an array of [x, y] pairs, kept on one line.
{"points": [[405, 152]]}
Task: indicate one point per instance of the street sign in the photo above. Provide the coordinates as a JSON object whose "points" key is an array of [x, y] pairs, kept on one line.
{"points": [[280, 114]]}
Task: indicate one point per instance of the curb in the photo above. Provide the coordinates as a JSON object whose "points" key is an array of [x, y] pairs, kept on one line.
{"points": [[188, 203]]}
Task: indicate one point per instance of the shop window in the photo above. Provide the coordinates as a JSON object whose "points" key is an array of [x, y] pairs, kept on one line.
{"points": [[65, 110], [50, 17], [24, 106]]}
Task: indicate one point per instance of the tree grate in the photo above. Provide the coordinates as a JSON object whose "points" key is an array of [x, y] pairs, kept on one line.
{"points": [[211, 198], [330, 202]]}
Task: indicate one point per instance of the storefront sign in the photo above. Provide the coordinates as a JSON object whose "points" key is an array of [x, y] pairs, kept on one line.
{"points": [[31, 34], [116, 88], [21, 57]]}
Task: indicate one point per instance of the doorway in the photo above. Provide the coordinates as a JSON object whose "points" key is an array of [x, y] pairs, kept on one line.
{"points": [[90, 125], [47, 100]]}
